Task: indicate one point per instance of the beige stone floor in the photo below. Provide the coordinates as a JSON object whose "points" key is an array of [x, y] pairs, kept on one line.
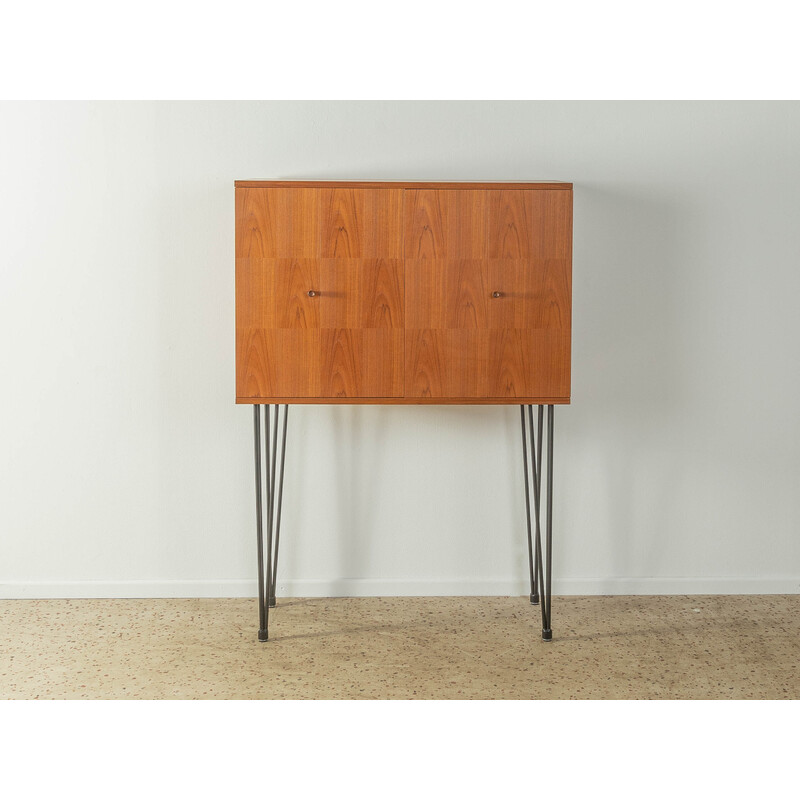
{"points": [[397, 647]]}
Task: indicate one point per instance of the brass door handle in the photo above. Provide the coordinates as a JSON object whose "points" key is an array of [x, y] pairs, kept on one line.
{"points": [[497, 294], [312, 293]]}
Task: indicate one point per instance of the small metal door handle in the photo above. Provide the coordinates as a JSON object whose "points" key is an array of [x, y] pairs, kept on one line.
{"points": [[496, 294], [312, 293]]}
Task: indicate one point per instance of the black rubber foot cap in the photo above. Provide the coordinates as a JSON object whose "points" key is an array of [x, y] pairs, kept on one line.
{"points": [[547, 636], [272, 603], [534, 599], [263, 636]]}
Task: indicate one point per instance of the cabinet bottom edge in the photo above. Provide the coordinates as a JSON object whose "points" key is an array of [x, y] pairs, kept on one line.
{"points": [[407, 401]]}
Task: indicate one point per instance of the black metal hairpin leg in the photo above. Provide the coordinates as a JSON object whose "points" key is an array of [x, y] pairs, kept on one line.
{"points": [[541, 574], [534, 597], [262, 608], [280, 498], [267, 574]]}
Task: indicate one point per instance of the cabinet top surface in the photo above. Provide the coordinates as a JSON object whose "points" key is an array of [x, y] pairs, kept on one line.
{"points": [[276, 184]]}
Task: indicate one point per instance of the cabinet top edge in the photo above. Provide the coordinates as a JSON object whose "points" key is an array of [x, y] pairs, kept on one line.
{"points": [[402, 184]]}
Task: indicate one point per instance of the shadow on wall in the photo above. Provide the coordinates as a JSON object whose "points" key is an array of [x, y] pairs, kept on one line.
{"points": [[627, 389], [629, 259], [629, 373], [355, 491], [360, 485]]}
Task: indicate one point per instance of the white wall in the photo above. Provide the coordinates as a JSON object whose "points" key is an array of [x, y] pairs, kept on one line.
{"points": [[126, 468]]}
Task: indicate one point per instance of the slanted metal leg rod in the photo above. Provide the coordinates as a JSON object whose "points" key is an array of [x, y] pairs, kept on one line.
{"points": [[542, 568], [536, 471], [534, 594], [280, 496], [539, 440], [268, 460], [537, 505], [262, 605], [547, 633], [269, 476], [273, 451]]}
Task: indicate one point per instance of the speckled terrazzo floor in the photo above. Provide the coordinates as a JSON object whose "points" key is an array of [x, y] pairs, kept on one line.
{"points": [[396, 647]]}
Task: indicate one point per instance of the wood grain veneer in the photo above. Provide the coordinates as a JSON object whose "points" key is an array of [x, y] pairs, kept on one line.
{"points": [[403, 292]]}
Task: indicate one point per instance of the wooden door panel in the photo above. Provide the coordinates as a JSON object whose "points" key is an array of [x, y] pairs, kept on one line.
{"points": [[361, 223], [551, 224], [444, 224], [487, 363], [361, 293], [446, 363], [509, 229], [467, 296], [382, 292], [462, 247], [466, 224], [255, 224], [254, 306], [528, 363], [277, 223], [277, 362], [446, 293], [273, 293], [292, 282], [362, 363], [343, 245], [534, 293], [425, 293], [446, 280], [361, 314], [529, 224]]}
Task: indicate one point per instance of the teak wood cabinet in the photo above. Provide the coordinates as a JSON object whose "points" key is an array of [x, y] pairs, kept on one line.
{"points": [[403, 293], [384, 292]]}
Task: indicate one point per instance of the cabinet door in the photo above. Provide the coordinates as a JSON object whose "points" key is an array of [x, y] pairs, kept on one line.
{"points": [[319, 293], [487, 293], [446, 292]]}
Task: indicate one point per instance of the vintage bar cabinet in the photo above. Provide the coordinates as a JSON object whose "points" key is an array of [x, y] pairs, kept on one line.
{"points": [[412, 293]]}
